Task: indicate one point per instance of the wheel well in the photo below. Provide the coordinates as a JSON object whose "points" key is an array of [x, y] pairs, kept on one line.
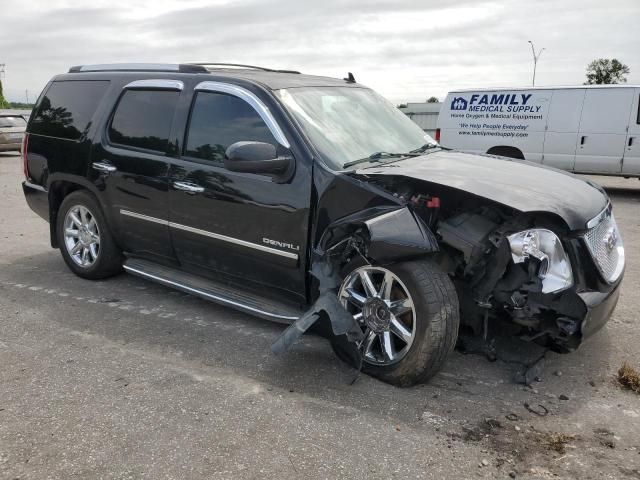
{"points": [[57, 193], [506, 151]]}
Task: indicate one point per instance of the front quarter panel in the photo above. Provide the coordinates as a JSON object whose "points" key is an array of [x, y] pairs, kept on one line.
{"points": [[347, 204]]}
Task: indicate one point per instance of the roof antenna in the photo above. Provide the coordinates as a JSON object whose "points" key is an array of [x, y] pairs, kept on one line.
{"points": [[350, 78]]}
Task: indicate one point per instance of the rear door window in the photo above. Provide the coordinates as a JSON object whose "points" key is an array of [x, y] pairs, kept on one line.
{"points": [[66, 109], [12, 122], [143, 119], [217, 121]]}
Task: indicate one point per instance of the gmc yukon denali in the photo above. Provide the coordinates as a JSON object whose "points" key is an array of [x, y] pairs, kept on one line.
{"points": [[310, 200]]}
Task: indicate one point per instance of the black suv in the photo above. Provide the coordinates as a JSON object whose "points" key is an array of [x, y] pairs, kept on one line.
{"points": [[306, 199]]}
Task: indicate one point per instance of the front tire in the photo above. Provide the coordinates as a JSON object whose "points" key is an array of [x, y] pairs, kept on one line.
{"points": [[409, 314], [85, 241]]}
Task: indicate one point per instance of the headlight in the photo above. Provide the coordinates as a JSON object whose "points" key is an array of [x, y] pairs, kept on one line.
{"points": [[545, 246]]}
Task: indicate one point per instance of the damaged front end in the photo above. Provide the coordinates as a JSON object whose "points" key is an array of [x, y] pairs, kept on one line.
{"points": [[530, 276], [525, 274]]}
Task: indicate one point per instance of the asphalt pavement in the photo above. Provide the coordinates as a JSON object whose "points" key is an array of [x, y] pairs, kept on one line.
{"points": [[127, 379]]}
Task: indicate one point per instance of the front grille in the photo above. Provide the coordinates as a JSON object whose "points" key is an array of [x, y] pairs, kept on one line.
{"points": [[605, 245]]}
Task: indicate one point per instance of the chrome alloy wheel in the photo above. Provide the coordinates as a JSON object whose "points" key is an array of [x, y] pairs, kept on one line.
{"points": [[81, 236], [382, 305]]}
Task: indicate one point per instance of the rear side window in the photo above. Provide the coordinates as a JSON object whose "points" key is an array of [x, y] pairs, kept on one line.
{"points": [[12, 122], [66, 109], [638, 119], [217, 121], [143, 119]]}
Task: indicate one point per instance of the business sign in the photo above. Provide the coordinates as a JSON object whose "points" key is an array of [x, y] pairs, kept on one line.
{"points": [[508, 114]]}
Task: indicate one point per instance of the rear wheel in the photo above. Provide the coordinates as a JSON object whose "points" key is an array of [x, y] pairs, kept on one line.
{"points": [[506, 151], [84, 238], [409, 316]]}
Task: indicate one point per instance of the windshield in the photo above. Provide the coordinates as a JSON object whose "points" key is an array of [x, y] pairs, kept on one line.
{"points": [[350, 125]]}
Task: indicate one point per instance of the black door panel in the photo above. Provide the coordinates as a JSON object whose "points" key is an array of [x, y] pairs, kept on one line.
{"points": [[136, 193], [131, 167], [241, 225]]}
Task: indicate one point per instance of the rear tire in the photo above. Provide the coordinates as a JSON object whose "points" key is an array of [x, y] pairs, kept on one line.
{"points": [[509, 152], [435, 329], [85, 241]]}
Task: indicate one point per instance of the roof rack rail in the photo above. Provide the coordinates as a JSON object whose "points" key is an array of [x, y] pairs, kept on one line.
{"points": [[240, 65], [140, 67]]}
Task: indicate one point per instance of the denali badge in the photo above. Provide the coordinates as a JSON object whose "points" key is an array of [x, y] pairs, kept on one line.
{"points": [[276, 243]]}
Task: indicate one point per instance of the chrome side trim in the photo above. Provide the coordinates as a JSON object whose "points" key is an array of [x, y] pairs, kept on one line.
{"points": [[237, 241], [252, 100], [216, 298], [144, 217], [217, 236], [598, 218], [161, 67], [34, 186], [156, 83]]}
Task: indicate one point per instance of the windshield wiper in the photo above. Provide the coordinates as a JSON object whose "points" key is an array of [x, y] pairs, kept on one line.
{"points": [[425, 147], [377, 156]]}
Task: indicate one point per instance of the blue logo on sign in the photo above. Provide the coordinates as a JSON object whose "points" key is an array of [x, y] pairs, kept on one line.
{"points": [[458, 103]]}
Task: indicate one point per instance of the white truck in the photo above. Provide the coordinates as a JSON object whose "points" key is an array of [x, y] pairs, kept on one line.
{"points": [[583, 129]]}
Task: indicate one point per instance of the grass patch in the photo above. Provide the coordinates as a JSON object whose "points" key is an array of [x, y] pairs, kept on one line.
{"points": [[559, 441], [629, 377]]}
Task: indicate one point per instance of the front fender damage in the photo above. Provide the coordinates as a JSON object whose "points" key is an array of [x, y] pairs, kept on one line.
{"points": [[378, 235]]}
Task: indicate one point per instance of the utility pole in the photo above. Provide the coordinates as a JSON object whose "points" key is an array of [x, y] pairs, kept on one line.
{"points": [[26, 94], [535, 61]]}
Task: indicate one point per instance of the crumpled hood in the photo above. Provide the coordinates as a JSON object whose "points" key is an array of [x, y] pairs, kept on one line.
{"points": [[524, 186]]}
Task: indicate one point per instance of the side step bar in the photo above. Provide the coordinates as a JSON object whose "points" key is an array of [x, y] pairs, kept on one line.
{"points": [[213, 291]]}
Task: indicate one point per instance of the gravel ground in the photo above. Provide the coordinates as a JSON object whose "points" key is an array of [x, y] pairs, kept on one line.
{"points": [[127, 379]]}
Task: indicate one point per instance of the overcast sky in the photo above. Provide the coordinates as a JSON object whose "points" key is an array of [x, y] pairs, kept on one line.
{"points": [[407, 50]]}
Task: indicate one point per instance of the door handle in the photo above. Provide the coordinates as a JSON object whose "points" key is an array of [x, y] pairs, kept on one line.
{"points": [[191, 188], [630, 143], [104, 167], [583, 139]]}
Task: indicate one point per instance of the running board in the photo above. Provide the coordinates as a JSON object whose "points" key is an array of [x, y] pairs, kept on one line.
{"points": [[213, 291]]}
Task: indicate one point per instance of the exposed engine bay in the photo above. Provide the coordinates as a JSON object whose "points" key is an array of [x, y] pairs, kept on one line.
{"points": [[510, 269], [516, 273]]}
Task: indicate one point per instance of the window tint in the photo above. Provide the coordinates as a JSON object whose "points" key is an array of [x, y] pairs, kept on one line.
{"points": [[12, 122], [219, 120], [143, 119], [66, 109]]}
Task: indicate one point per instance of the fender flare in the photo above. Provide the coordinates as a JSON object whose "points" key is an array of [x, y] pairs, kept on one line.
{"points": [[81, 183]]}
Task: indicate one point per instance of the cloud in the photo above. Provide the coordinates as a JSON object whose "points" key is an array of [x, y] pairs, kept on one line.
{"points": [[407, 50]]}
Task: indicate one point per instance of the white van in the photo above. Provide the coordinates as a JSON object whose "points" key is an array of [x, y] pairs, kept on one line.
{"points": [[583, 129]]}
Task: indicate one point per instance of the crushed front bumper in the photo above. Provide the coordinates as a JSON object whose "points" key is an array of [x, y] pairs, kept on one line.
{"points": [[600, 307]]}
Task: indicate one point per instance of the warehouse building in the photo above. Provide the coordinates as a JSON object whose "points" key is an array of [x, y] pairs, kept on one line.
{"points": [[424, 114]]}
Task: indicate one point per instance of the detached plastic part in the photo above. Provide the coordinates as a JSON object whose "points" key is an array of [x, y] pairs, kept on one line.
{"points": [[327, 304], [399, 234]]}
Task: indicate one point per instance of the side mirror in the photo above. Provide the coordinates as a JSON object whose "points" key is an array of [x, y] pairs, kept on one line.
{"points": [[256, 157]]}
